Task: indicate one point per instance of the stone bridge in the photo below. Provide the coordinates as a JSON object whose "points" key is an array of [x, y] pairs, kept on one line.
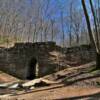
{"points": [[30, 60]]}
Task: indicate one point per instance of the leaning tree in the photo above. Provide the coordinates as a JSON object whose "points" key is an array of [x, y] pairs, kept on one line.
{"points": [[94, 39]]}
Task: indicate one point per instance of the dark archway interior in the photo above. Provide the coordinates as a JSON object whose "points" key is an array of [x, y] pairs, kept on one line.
{"points": [[32, 69]]}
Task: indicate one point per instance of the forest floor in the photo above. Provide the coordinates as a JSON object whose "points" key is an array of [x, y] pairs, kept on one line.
{"points": [[76, 83]]}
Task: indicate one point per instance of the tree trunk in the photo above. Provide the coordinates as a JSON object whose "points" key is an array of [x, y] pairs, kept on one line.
{"points": [[97, 61], [88, 23], [63, 35], [97, 36], [52, 31], [92, 40], [95, 23]]}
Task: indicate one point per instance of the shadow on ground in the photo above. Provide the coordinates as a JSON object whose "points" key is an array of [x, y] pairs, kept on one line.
{"points": [[79, 80], [95, 96]]}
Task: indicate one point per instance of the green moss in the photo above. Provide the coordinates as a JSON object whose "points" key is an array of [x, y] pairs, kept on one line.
{"points": [[94, 70], [98, 83], [91, 69]]}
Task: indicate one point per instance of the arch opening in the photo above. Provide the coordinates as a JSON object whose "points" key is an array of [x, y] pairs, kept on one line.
{"points": [[32, 69]]}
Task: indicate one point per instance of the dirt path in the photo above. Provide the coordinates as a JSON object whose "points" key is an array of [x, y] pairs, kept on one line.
{"points": [[59, 92], [4, 78], [85, 86]]}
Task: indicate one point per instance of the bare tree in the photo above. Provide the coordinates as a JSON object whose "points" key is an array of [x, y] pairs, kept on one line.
{"points": [[97, 35], [52, 30], [62, 25], [91, 35], [70, 33]]}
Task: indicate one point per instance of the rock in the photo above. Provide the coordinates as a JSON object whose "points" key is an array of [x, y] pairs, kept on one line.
{"points": [[38, 83], [14, 86], [31, 88], [5, 85], [3, 96]]}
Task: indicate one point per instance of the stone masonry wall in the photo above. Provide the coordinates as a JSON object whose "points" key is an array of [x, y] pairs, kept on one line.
{"points": [[16, 60], [49, 56]]}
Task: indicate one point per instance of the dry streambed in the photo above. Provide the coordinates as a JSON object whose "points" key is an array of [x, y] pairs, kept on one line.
{"points": [[62, 84]]}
